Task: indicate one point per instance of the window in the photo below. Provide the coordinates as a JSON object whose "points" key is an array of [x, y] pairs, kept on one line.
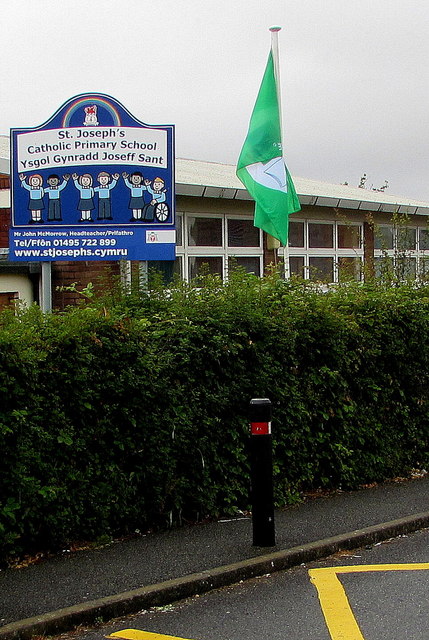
{"points": [[296, 234], [178, 266], [325, 251], [383, 267], [296, 266], [199, 265], [163, 268], [424, 239], [349, 236], [219, 241], [406, 239], [406, 267], [321, 269], [320, 235], [249, 263], [383, 238], [349, 269], [424, 268], [242, 233], [204, 232], [396, 252], [179, 230]]}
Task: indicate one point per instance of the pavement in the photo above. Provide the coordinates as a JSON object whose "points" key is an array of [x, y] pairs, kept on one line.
{"points": [[86, 587]]}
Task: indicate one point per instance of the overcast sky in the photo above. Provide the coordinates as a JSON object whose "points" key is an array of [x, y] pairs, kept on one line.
{"points": [[354, 76]]}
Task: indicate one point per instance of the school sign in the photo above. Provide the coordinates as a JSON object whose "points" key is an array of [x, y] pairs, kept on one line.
{"points": [[93, 183]]}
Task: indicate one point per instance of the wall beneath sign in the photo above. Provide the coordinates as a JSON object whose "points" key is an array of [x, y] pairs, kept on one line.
{"points": [[16, 287], [65, 274]]}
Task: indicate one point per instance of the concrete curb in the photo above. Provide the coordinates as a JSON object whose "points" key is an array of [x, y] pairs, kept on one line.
{"points": [[129, 602]]}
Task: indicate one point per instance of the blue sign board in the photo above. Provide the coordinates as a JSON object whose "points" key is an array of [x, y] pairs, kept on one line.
{"points": [[93, 183]]}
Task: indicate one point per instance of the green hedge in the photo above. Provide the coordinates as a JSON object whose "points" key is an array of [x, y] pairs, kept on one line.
{"points": [[131, 411]]}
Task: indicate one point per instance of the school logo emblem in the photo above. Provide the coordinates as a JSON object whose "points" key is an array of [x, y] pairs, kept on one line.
{"points": [[91, 116]]}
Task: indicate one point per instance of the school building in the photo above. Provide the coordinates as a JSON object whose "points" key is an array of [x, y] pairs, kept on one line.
{"points": [[341, 232]]}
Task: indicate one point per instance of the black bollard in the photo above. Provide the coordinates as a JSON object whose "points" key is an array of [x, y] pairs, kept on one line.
{"points": [[261, 473]]}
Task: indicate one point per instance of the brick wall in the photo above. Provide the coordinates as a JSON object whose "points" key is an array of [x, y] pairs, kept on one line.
{"points": [[8, 299], [5, 221], [4, 181], [100, 273]]}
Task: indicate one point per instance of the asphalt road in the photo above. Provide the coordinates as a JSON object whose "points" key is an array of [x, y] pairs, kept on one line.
{"points": [[322, 601]]}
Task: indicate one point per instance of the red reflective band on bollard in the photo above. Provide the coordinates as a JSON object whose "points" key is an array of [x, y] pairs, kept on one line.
{"points": [[260, 428]]}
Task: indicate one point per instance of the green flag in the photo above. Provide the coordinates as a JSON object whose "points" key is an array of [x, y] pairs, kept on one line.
{"points": [[261, 167]]}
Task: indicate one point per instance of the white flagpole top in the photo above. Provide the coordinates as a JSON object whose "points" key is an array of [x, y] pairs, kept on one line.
{"points": [[275, 53]]}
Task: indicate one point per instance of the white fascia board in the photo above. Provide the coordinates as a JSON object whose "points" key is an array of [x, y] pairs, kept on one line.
{"points": [[242, 194], [349, 204], [189, 190], [369, 206], [422, 211], [389, 208], [219, 192], [323, 201], [407, 209], [309, 200]]}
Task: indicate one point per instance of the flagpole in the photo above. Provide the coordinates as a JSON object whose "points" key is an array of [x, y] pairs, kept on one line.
{"points": [[275, 52], [261, 167]]}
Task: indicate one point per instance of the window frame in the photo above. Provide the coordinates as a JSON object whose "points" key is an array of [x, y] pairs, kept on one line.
{"points": [[323, 252], [186, 251]]}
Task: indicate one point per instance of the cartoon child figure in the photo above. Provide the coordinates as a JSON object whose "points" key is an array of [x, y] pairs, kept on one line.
{"points": [[136, 184], [85, 205], [157, 192], [53, 191], [36, 191], [104, 205]]}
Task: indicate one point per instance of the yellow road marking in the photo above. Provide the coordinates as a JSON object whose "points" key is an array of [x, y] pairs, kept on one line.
{"points": [[136, 634], [338, 614]]}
